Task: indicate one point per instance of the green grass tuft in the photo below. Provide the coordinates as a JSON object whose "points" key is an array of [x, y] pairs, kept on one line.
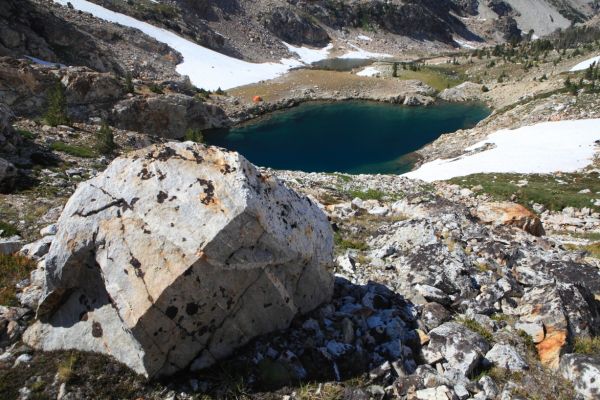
{"points": [[476, 327], [345, 244], [26, 134], [76, 151], [587, 345], [370, 194], [8, 230]]}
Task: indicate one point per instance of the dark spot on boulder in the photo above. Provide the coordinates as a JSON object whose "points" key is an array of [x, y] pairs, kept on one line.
{"points": [[144, 174], [191, 308], [96, 329], [163, 155], [161, 196], [227, 169], [135, 263], [209, 191], [171, 312]]}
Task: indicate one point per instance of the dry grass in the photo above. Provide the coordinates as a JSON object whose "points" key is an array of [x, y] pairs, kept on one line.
{"points": [[13, 268], [587, 345], [66, 367]]}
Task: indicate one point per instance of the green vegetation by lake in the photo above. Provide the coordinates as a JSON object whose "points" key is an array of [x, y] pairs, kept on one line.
{"points": [[352, 137], [439, 78], [555, 192]]}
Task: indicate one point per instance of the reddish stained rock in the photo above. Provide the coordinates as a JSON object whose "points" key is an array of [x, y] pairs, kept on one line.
{"points": [[512, 214]]}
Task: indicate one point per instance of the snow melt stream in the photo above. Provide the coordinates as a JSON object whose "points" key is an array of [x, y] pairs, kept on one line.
{"points": [[547, 147]]}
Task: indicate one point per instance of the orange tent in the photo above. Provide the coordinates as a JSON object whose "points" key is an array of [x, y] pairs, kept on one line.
{"points": [[257, 99]]}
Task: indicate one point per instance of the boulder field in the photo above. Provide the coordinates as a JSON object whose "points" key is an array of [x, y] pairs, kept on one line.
{"points": [[175, 256]]}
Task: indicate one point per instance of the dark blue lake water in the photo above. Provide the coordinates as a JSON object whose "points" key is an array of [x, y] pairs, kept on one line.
{"points": [[352, 137]]}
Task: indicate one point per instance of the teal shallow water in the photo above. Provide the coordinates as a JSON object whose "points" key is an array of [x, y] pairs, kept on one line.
{"points": [[352, 137]]}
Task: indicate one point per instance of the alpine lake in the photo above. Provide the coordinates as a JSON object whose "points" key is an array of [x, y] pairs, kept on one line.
{"points": [[350, 137]]}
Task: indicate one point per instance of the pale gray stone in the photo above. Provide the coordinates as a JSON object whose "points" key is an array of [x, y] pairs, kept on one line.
{"points": [[507, 357], [178, 254]]}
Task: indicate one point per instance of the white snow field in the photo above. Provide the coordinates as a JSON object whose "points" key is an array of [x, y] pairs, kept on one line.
{"points": [[368, 71], [206, 68], [308, 55], [585, 64], [546, 147]]}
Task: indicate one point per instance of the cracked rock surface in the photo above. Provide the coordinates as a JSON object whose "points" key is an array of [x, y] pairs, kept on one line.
{"points": [[178, 254]]}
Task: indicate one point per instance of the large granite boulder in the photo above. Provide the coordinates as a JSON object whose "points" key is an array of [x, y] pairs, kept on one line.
{"points": [[178, 254]]}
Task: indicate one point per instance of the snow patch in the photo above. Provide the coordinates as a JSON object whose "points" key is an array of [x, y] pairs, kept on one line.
{"points": [[308, 55], [206, 68], [359, 53], [547, 147], [369, 71], [465, 45], [586, 64], [44, 62]]}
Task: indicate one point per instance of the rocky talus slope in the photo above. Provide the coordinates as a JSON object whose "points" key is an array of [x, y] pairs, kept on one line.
{"points": [[441, 292]]}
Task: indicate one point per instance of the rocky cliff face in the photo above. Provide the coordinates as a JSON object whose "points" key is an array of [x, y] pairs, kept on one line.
{"points": [[57, 34], [9, 141], [27, 28], [294, 28], [25, 87], [168, 116]]}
